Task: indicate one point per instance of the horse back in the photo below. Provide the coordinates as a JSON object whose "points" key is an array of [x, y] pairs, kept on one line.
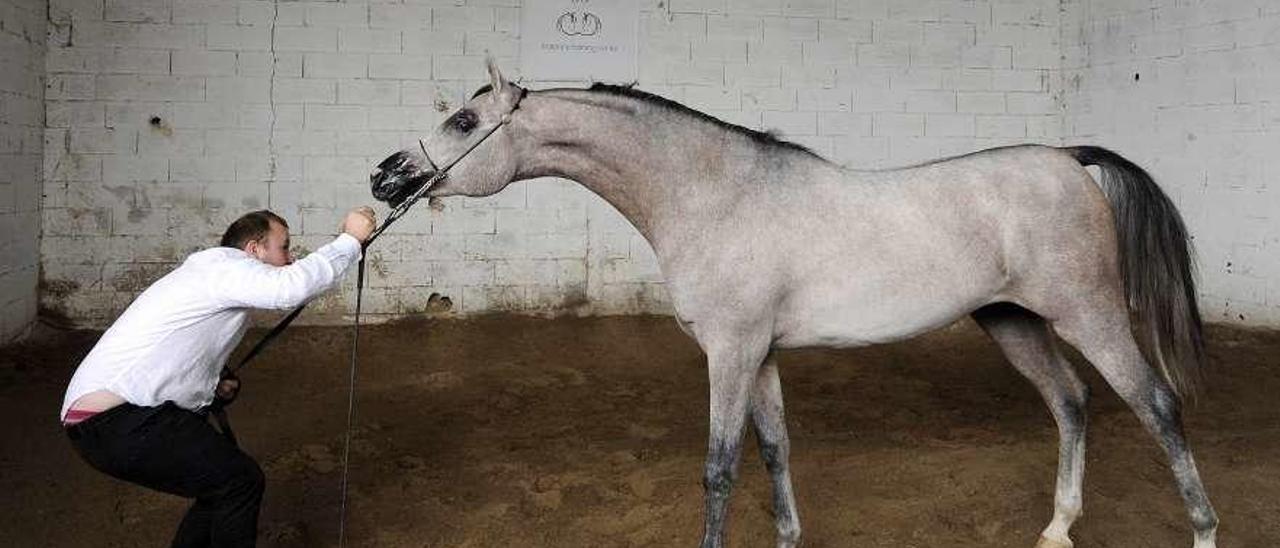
{"points": [[846, 258]]}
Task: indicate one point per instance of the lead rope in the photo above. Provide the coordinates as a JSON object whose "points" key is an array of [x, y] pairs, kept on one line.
{"points": [[395, 214], [351, 403]]}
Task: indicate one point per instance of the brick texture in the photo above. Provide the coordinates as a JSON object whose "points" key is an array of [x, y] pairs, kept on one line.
{"points": [[22, 115], [287, 105], [1190, 91]]}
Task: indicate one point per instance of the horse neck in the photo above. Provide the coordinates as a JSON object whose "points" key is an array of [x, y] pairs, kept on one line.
{"points": [[656, 168]]}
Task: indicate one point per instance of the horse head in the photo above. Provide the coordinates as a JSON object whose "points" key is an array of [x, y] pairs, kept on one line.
{"points": [[468, 145]]}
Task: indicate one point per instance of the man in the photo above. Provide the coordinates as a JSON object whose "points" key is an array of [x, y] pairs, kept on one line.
{"points": [[131, 409]]}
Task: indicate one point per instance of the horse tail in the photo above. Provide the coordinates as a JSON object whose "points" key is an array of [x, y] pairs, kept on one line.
{"points": [[1157, 267]]}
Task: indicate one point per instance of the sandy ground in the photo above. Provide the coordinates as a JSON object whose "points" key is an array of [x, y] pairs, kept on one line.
{"points": [[591, 432]]}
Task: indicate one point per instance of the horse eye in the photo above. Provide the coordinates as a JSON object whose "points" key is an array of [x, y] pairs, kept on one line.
{"points": [[463, 121]]}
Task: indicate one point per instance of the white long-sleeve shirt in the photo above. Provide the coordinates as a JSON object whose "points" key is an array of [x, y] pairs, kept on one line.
{"points": [[172, 341]]}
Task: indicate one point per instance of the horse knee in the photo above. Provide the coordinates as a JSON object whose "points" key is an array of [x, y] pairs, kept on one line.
{"points": [[718, 479], [775, 455]]}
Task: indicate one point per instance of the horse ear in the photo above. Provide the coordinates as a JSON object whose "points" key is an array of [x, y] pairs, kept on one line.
{"points": [[496, 81]]}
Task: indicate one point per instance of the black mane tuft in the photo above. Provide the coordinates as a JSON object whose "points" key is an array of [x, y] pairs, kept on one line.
{"points": [[764, 138]]}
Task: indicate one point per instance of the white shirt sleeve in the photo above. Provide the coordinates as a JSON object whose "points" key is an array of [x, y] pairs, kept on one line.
{"points": [[254, 284]]}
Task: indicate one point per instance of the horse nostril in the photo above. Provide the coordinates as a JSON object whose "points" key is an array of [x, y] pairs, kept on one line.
{"points": [[378, 188]]}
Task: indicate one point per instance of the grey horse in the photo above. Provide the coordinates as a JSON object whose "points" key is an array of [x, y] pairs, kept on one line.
{"points": [[765, 245]]}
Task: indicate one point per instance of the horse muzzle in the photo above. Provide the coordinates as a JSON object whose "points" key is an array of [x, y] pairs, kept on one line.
{"points": [[397, 178]]}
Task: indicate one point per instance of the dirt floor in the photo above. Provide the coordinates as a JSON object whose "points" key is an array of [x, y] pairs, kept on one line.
{"points": [[591, 432]]}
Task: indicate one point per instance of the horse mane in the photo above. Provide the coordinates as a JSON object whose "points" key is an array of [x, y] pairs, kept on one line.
{"points": [[760, 137]]}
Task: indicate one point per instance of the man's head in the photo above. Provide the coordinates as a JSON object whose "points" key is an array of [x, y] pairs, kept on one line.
{"points": [[262, 234]]}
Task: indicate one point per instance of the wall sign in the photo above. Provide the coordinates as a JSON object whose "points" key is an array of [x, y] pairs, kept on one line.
{"points": [[592, 40]]}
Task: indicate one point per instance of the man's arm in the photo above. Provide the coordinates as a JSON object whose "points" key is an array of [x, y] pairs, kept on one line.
{"points": [[254, 284]]}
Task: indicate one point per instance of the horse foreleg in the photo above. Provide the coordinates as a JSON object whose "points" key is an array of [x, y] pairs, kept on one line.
{"points": [[775, 449], [732, 371]]}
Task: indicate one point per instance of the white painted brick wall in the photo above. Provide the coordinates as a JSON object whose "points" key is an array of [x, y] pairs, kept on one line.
{"points": [[288, 104], [1189, 90], [22, 114]]}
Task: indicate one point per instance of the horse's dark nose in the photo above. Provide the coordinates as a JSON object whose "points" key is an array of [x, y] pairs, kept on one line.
{"points": [[382, 179], [377, 186], [394, 162]]}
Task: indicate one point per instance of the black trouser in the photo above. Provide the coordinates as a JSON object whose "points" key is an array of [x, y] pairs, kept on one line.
{"points": [[176, 451]]}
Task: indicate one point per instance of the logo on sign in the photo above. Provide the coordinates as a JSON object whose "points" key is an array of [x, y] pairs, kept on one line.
{"points": [[578, 23]]}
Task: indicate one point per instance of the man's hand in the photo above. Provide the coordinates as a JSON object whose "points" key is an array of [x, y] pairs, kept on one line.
{"points": [[228, 389], [359, 223]]}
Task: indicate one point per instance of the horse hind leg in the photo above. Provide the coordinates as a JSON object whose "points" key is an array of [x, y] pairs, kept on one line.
{"points": [[1030, 346], [775, 449], [1107, 342]]}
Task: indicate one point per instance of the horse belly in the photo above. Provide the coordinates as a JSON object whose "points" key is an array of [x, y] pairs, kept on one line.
{"points": [[862, 314], [848, 328]]}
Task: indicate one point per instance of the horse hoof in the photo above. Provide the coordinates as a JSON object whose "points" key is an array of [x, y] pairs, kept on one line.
{"points": [[1046, 542]]}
